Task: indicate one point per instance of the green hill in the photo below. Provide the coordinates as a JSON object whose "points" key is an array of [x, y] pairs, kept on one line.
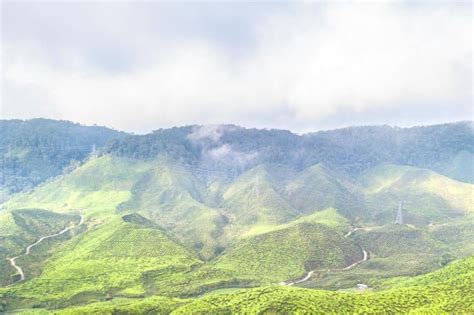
{"points": [[450, 290], [22, 227], [317, 188], [170, 217], [460, 167], [401, 250], [427, 196], [170, 195], [395, 239], [289, 252], [96, 187], [110, 259], [254, 198]]}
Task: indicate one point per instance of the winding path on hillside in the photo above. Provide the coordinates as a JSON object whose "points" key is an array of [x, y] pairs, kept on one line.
{"points": [[29, 247], [309, 274]]}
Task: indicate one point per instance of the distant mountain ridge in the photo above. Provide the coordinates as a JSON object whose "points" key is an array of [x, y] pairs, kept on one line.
{"points": [[446, 148], [187, 211], [34, 150]]}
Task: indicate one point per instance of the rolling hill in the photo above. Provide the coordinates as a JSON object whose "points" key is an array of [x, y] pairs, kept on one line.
{"points": [[449, 290], [288, 253], [195, 218], [108, 259], [427, 196]]}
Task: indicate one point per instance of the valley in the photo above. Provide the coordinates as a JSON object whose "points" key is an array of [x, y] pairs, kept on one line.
{"points": [[168, 225]]}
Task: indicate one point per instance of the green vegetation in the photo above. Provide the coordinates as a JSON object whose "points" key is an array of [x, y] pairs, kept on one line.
{"points": [[21, 227], [175, 222], [287, 253], [34, 150], [449, 290], [427, 196], [110, 259]]}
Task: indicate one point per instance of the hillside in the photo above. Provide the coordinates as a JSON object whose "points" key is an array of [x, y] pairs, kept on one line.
{"points": [[318, 187], [34, 150], [290, 252], [22, 227], [109, 259], [38, 149], [425, 195], [232, 149], [449, 290], [186, 215], [446, 291]]}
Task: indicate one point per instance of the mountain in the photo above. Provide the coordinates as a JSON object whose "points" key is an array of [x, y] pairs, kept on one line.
{"points": [[425, 195], [34, 150], [185, 217], [446, 148]]}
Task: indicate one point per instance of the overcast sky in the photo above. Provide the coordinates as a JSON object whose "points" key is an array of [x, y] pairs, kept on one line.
{"points": [[299, 66]]}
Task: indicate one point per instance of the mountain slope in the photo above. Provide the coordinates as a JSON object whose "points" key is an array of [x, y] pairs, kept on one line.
{"points": [[316, 188], [287, 253], [111, 258], [35, 150], [448, 291], [254, 198], [97, 186], [22, 227], [173, 197], [426, 195]]}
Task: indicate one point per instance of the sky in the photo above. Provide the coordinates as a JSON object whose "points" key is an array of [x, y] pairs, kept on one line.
{"points": [[303, 66]]}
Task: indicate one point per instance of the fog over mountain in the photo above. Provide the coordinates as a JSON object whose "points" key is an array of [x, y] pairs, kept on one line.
{"points": [[236, 157]]}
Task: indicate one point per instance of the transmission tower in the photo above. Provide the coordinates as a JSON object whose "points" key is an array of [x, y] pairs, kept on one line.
{"points": [[94, 152], [257, 191], [399, 218]]}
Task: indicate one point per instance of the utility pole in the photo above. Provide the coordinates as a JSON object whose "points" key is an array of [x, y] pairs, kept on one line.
{"points": [[399, 218]]}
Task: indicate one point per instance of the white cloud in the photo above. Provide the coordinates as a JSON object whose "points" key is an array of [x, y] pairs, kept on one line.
{"points": [[306, 67], [208, 132]]}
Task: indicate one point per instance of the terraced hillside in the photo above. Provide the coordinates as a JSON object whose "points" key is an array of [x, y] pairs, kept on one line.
{"points": [[290, 252], [448, 290], [426, 196], [109, 259], [20, 228], [178, 221]]}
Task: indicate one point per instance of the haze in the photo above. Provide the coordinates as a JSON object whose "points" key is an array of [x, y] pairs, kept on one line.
{"points": [[291, 65]]}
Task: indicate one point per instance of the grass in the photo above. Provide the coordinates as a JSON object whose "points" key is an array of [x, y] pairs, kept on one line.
{"points": [[329, 217], [452, 292], [155, 234], [97, 187], [428, 196], [109, 260], [447, 291], [22, 227], [290, 252]]}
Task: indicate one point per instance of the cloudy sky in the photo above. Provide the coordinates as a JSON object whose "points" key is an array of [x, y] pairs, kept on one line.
{"points": [[303, 66]]}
